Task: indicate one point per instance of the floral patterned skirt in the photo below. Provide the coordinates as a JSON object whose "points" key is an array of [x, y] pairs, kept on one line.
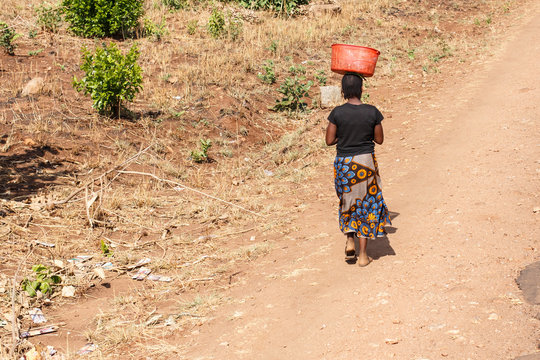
{"points": [[362, 209]]}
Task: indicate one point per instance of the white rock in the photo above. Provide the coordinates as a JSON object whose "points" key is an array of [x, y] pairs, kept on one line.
{"points": [[330, 96], [493, 316], [68, 291], [34, 86]]}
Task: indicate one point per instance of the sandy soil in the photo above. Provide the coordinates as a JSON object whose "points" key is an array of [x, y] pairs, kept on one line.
{"points": [[461, 180]]}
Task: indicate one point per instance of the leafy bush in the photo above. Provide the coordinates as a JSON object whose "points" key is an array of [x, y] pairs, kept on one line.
{"points": [[200, 156], [7, 36], [294, 91], [44, 280], [283, 6], [49, 18], [216, 23], [111, 78], [269, 75], [100, 18]]}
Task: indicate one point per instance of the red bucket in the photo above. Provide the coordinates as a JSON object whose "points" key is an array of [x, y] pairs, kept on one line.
{"points": [[356, 59]]}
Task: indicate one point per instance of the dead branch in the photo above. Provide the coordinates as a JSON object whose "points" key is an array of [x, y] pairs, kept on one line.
{"points": [[188, 188], [90, 182]]}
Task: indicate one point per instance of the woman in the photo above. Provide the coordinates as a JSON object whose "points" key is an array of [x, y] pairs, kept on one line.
{"points": [[355, 127]]}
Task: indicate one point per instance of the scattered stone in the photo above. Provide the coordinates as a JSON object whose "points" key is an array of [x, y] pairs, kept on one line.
{"points": [[30, 142], [391, 341], [453, 332], [99, 272], [68, 291], [529, 283], [493, 316], [33, 87], [330, 96], [536, 209], [87, 349]]}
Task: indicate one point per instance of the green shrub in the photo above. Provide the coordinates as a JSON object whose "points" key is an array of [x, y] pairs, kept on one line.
{"points": [[111, 78], [216, 23], [294, 91], [7, 37], [269, 75], [43, 281], [49, 18], [288, 7], [200, 156], [100, 18]]}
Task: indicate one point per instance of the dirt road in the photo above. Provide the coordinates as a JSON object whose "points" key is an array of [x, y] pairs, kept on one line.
{"points": [[462, 178]]}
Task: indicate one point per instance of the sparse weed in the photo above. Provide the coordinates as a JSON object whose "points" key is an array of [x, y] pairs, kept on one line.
{"points": [[234, 27], [192, 26], [43, 281], [273, 47], [34, 52], [153, 30], [320, 76], [294, 90], [411, 54], [176, 4], [288, 7], [200, 156], [269, 75], [49, 18], [7, 37]]}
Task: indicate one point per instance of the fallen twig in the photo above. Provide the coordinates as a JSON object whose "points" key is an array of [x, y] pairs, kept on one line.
{"points": [[188, 188]]}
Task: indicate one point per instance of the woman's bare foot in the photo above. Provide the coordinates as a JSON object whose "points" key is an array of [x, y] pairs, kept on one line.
{"points": [[363, 259], [350, 250]]}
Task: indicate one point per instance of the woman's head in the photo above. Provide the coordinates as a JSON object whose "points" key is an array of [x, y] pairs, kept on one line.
{"points": [[351, 86]]}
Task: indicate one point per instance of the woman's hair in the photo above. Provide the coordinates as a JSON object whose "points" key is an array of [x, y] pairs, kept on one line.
{"points": [[351, 86]]}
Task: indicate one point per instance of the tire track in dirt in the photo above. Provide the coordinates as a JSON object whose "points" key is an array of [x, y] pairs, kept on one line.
{"points": [[463, 230]]}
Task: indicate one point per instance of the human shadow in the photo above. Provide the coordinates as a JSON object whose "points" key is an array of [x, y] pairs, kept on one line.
{"points": [[22, 174]]}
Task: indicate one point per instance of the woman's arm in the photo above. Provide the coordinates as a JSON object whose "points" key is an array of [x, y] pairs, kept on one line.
{"points": [[331, 131], [378, 134]]}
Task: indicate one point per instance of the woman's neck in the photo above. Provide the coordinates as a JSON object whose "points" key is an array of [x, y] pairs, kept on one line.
{"points": [[354, 101]]}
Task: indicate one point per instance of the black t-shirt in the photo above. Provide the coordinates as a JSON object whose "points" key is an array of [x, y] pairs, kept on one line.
{"points": [[355, 127]]}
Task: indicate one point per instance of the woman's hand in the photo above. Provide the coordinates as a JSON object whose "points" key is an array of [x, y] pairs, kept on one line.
{"points": [[331, 131]]}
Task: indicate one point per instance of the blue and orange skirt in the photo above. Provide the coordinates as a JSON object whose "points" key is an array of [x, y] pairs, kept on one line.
{"points": [[362, 209]]}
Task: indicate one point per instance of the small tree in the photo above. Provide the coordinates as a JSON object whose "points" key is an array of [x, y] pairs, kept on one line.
{"points": [[111, 78], [100, 18]]}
